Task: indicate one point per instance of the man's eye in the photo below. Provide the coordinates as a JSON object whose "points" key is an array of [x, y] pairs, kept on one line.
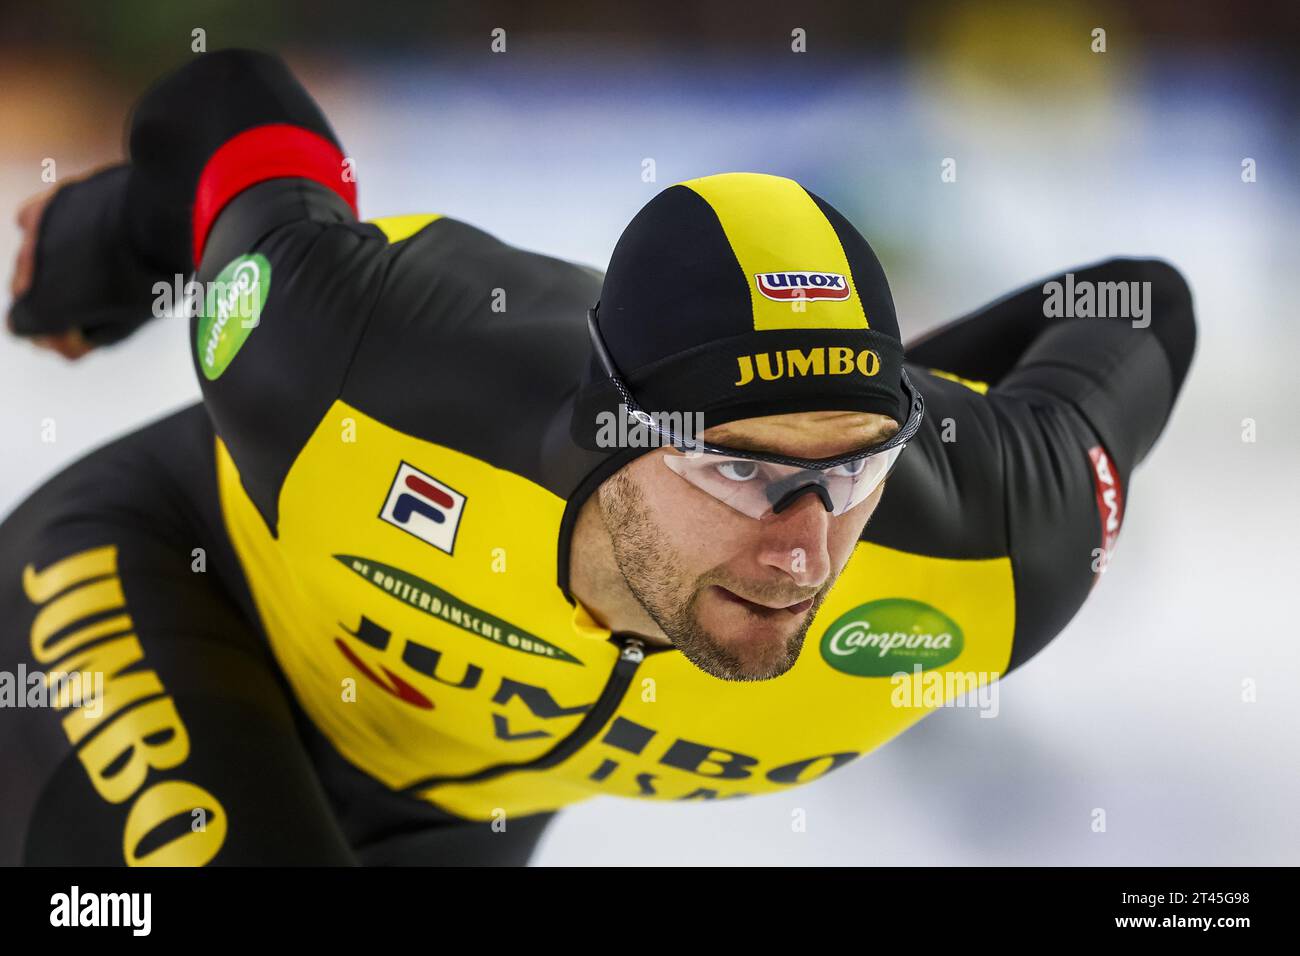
{"points": [[851, 468], [738, 470]]}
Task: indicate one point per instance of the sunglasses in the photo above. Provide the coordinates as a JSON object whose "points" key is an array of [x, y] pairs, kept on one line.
{"points": [[758, 483]]}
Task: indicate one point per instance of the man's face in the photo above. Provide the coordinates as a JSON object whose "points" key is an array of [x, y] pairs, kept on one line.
{"points": [[736, 594]]}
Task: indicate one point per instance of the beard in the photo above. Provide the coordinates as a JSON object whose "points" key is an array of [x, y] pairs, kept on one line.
{"points": [[649, 566]]}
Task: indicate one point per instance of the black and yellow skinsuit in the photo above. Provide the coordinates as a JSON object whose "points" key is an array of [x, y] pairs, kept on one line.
{"points": [[330, 603]]}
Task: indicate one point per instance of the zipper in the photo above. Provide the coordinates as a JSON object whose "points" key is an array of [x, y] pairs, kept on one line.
{"points": [[631, 654]]}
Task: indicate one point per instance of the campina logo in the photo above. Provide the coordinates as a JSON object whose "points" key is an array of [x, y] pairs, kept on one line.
{"points": [[881, 638], [425, 507], [811, 286], [232, 309]]}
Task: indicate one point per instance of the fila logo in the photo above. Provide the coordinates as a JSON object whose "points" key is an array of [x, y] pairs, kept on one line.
{"points": [[423, 506], [787, 286]]}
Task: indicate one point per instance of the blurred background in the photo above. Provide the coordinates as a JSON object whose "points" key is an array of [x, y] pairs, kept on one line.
{"points": [[1063, 155]]}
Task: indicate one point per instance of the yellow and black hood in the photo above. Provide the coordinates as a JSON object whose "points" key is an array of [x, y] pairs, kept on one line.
{"points": [[739, 295]]}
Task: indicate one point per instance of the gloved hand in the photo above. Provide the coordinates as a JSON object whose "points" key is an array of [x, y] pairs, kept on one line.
{"points": [[77, 283]]}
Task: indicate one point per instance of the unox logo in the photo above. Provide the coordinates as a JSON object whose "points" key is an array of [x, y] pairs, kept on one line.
{"points": [[425, 507], [785, 286]]}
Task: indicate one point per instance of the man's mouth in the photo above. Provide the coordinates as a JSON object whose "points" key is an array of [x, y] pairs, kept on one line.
{"points": [[763, 610]]}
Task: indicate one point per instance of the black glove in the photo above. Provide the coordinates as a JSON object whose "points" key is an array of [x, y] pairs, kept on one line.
{"points": [[87, 274]]}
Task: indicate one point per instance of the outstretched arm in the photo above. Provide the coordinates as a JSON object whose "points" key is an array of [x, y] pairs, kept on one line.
{"points": [[234, 174], [198, 139], [1042, 459], [1022, 351]]}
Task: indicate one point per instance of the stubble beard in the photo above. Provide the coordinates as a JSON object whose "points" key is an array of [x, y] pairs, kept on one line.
{"points": [[648, 565]]}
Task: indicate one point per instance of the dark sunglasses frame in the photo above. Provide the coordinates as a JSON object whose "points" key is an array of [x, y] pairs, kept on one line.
{"points": [[916, 412]]}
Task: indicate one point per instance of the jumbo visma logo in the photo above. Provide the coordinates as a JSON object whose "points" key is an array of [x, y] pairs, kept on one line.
{"points": [[882, 638], [232, 308]]}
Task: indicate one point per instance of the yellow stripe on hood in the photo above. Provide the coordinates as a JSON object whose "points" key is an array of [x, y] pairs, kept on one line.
{"points": [[773, 225]]}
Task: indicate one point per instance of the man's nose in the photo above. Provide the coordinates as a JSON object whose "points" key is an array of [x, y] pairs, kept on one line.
{"points": [[796, 540]]}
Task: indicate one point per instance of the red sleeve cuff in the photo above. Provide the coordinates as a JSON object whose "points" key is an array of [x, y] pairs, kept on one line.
{"points": [[274, 151]]}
